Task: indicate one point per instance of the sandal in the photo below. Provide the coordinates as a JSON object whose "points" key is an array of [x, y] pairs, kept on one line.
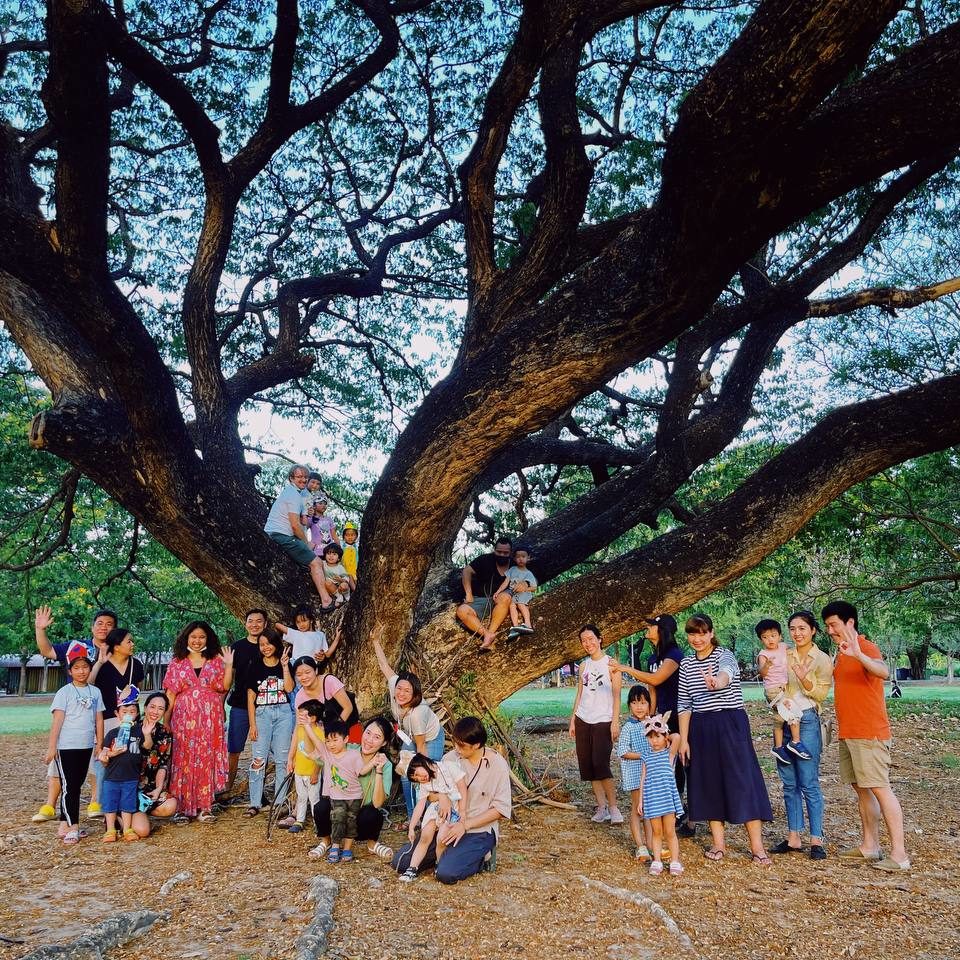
{"points": [[656, 868], [130, 835], [286, 823], [763, 860], [642, 854], [205, 816], [319, 850], [714, 853], [382, 851], [109, 836], [334, 855], [676, 868], [252, 812], [346, 856], [71, 838]]}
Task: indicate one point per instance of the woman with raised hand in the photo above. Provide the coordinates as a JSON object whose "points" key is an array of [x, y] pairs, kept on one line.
{"points": [[724, 782], [156, 751], [417, 722], [196, 681]]}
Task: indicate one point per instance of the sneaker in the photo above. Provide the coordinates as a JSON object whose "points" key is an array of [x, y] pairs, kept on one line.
{"points": [[513, 633], [286, 823], [408, 875], [686, 829], [781, 754], [94, 811], [676, 868], [615, 815], [523, 628], [602, 815], [656, 868], [45, 813], [296, 828], [180, 820], [818, 851], [799, 750], [889, 865]]}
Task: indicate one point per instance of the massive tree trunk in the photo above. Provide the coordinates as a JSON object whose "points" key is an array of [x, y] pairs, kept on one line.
{"points": [[785, 122]]}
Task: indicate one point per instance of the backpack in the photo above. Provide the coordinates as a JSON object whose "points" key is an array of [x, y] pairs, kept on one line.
{"points": [[331, 709]]}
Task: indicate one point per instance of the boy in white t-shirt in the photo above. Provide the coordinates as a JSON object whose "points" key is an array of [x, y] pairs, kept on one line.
{"points": [[520, 583], [772, 669]]}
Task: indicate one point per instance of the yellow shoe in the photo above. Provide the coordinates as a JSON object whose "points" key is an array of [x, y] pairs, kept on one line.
{"points": [[130, 835], [110, 836], [45, 813], [94, 811]]}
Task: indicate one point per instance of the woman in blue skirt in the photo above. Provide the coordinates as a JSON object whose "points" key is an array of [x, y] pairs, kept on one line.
{"points": [[724, 782]]}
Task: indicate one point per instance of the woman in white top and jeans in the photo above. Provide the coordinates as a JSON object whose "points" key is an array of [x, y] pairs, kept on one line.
{"points": [[417, 722], [595, 724]]}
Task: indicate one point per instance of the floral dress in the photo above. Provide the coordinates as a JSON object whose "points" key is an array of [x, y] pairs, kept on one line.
{"points": [[154, 760], [198, 770]]}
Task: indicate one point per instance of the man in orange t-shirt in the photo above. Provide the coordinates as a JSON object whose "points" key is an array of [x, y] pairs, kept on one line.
{"points": [[863, 731]]}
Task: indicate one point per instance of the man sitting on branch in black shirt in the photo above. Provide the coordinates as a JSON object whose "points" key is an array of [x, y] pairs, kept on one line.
{"points": [[481, 579]]}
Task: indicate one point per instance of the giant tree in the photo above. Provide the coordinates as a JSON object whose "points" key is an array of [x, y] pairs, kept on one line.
{"points": [[199, 208]]}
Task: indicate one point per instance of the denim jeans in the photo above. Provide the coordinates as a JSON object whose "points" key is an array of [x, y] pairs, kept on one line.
{"points": [[801, 778], [274, 731], [434, 750]]}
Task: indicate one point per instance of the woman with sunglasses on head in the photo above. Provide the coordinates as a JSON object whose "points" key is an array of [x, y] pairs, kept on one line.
{"points": [[724, 782]]}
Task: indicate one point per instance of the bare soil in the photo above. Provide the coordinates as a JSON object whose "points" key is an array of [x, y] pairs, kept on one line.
{"points": [[245, 898]]}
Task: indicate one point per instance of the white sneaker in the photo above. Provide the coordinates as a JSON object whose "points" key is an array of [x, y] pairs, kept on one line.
{"points": [[602, 815], [615, 815]]}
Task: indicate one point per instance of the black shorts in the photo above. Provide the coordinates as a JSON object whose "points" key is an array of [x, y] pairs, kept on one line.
{"points": [[594, 745]]}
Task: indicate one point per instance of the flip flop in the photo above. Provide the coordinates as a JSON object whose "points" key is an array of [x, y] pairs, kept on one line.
{"points": [[761, 861], [714, 853]]}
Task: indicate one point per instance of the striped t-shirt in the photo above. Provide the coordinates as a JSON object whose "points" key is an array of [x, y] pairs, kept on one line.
{"points": [[693, 695]]}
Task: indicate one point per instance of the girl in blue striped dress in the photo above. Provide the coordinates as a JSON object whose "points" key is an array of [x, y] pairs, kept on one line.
{"points": [[659, 799], [632, 747]]}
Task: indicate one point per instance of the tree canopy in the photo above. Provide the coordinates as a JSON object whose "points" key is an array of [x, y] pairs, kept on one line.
{"points": [[551, 258]]}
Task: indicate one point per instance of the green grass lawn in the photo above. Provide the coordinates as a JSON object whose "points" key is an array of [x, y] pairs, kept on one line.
{"points": [[552, 702], [21, 718]]}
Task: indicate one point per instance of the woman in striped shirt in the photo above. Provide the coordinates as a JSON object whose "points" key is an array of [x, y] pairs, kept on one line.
{"points": [[724, 781]]}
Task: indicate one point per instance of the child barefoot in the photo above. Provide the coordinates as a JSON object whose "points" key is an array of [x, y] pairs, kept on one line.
{"points": [[121, 756], [442, 779], [632, 747], [772, 669], [659, 799], [76, 731]]}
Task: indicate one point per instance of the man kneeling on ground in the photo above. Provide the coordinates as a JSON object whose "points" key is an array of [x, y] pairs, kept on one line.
{"points": [[470, 840]]}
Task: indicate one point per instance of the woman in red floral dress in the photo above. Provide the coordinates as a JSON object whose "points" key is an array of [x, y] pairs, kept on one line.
{"points": [[196, 680]]}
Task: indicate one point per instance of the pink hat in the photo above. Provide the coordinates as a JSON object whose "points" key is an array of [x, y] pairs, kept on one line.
{"points": [[657, 724]]}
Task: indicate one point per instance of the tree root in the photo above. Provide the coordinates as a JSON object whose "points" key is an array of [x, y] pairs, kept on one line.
{"points": [[652, 906], [97, 942], [312, 943], [173, 881]]}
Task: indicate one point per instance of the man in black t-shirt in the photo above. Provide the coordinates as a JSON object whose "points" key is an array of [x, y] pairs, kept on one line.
{"points": [[481, 579], [245, 652]]}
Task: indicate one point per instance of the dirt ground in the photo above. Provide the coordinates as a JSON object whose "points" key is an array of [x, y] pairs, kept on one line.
{"points": [[245, 898]]}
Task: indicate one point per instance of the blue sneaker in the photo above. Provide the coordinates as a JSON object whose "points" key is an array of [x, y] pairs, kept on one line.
{"points": [[799, 750], [781, 754]]}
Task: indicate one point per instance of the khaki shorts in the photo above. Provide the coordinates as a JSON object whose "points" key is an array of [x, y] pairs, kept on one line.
{"points": [[865, 763]]}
